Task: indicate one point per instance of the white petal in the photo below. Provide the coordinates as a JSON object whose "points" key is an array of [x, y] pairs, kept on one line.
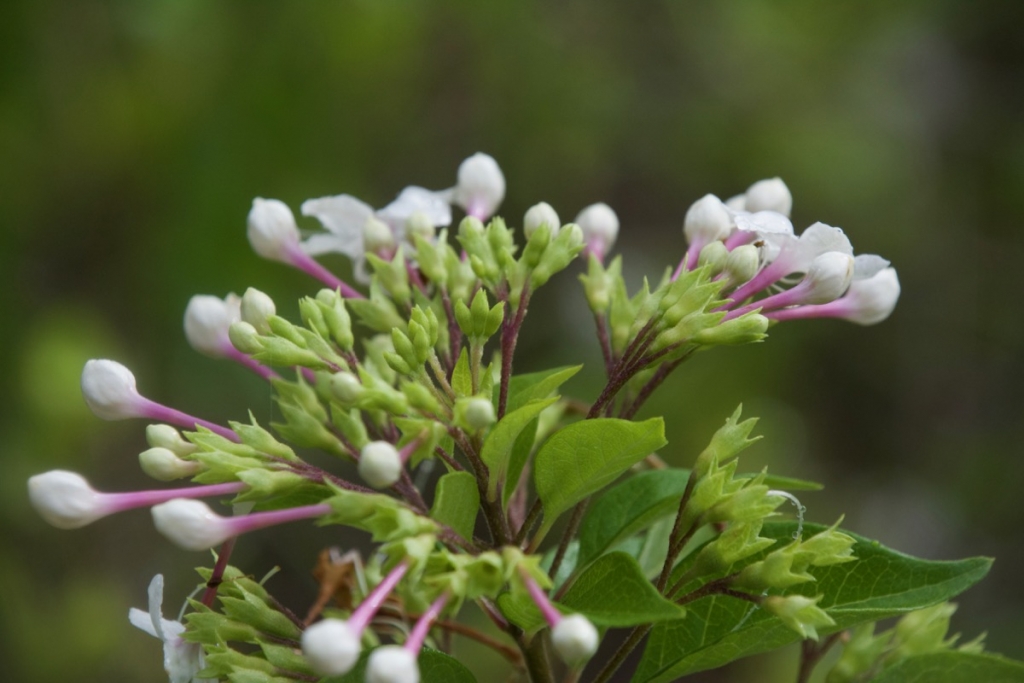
{"points": [[141, 620], [434, 205], [156, 604], [868, 265], [182, 660], [329, 243], [344, 216], [817, 240], [765, 223]]}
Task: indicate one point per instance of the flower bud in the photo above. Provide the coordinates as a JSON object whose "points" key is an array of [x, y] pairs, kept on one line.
{"points": [[109, 389], [245, 338], [474, 413], [769, 195], [331, 647], [347, 388], [65, 499], [706, 221], [207, 319], [272, 231], [828, 277], [873, 299], [743, 330], [256, 309], [163, 465], [742, 264], [377, 237], [600, 227], [575, 639], [481, 186], [538, 215], [380, 464], [166, 436], [799, 613], [392, 664], [191, 524], [419, 224], [713, 254]]}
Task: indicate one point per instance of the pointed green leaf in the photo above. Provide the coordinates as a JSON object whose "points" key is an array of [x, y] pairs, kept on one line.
{"points": [[584, 457], [517, 460], [456, 502], [614, 592], [498, 447], [881, 583], [537, 385], [954, 667], [462, 378]]}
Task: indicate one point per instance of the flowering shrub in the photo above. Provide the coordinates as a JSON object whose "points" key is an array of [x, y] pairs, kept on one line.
{"points": [[555, 517]]}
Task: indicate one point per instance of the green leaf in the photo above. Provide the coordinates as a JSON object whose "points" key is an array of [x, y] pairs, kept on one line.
{"points": [[517, 460], [500, 442], [462, 379], [786, 483], [954, 667], [629, 507], [881, 583], [536, 385], [456, 502], [435, 667], [584, 457], [614, 592]]}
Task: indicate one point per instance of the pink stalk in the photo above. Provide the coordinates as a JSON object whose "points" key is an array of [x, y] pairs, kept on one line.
{"points": [[157, 411], [260, 520], [363, 614], [551, 615], [477, 210], [409, 448], [692, 255], [309, 265], [119, 502], [769, 275], [789, 297], [422, 627], [833, 309], [242, 359], [740, 237]]}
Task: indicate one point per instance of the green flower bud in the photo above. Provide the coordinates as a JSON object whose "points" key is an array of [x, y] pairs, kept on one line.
{"points": [[538, 215], [164, 465], [166, 436], [380, 464], [600, 283], [860, 654], [777, 570], [741, 264], [257, 308], [728, 442], [350, 424], [924, 631], [753, 502], [245, 338], [745, 329], [713, 255], [418, 224], [826, 548], [430, 257], [280, 327], [799, 613], [536, 243], [377, 237], [474, 414], [392, 275], [558, 255], [346, 388], [313, 317], [421, 398], [474, 240], [738, 542], [335, 314]]}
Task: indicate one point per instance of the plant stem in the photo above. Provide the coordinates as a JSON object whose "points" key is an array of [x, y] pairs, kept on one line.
{"points": [[509, 337], [811, 654], [620, 655], [216, 578], [601, 321], [670, 559], [531, 519], [567, 536], [454, 333], [536, 657]]}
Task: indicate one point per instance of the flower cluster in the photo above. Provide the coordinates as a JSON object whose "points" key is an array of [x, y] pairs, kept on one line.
{"points": [[432, 384]]}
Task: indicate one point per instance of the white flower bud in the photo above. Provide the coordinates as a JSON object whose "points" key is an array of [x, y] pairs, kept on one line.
{"points": [[480, 188], [769, 195], [272, 231], [872, 300], [828, 277], [331, 647], [380, 464], [475, 413], [538, 215], [166, 436], [419, 223], [207, 319], [742, 264], [377, 237], [191, 524], [65, 499], [164, 465], [109, 389], [392, 664], [245, 338], [736, 203], [706, 220], [346, 387], [575, 639], [600, 226], [256, 309]]}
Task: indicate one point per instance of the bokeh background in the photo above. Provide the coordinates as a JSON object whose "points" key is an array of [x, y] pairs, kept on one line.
{"points": [[134, 135]]}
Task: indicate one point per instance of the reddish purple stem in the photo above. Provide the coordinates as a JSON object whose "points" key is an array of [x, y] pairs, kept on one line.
{"points": [[157, 411], [118, 502], [311, 267]]}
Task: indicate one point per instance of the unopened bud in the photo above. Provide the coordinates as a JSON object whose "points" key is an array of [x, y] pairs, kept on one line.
{"points": [[873, 299], [742, 264], [600, 226], [331, 647], [419, 224], [163, 465], [380, 464], [191, 524], [257, 308], [743, 330], [109, 390], [799, 613], [828, 277], [207, 319], [714, 254], [481, 186], [474, 413], [769, 195], [377, 237], [575, 639], [272, 231], [65, 499], [538, 215], [245, 338], [347, 388], [706, 221], [166, 436], [392, 664]]}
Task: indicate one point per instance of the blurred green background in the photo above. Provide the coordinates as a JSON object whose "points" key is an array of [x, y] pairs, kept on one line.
{"points": [[134, 135]]}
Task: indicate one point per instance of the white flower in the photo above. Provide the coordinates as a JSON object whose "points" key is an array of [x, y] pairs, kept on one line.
{"points": [[480, 187], [707, 220], [790, 254], [164, 465], [600, 226], [182, 660], [769, 195], [331, 647], [191, 524], [109, 389], [272, 231], [870, 300], [207, 320], [392, 664], [380, 464], [828, 276], [575, 639], [538, 215], [65, 499], [256, 309], [345, 218]]}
